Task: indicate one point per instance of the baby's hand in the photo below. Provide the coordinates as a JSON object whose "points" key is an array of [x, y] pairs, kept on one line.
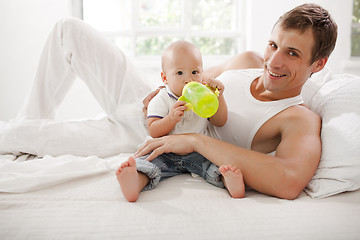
{"points": [[177, 110], [216, 84]]}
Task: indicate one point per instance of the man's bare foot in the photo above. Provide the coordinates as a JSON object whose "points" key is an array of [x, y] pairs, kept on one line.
{"points": [[233, 180], [129, 180]]}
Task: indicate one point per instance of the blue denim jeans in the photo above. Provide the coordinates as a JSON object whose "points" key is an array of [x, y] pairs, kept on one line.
{"points": [[169, 164]]}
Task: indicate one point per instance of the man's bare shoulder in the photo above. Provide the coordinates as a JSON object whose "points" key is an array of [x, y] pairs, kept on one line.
{"points": [[294, 123], [301, 118], [302, 112]]}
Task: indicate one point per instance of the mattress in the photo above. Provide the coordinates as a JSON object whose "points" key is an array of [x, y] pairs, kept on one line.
{"points": [[70, 197], [183, 207]]}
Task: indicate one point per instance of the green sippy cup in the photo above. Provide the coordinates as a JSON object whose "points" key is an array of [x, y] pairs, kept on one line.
{"points": [[200, 99]]}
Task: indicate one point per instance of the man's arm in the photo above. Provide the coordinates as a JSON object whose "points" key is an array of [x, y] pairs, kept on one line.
{"points": [[284, 175]]}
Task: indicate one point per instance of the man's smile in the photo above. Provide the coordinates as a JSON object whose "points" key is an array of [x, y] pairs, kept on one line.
{"points": [[275, 74]]}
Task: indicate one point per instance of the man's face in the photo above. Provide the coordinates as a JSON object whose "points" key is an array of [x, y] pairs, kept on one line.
{"points": [[287, 61]]}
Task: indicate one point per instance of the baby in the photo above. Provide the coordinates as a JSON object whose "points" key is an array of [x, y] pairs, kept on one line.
{"points": [[181, 64]]}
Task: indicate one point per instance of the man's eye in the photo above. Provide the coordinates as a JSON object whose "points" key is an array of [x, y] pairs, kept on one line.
{"points": [[273, 45], [293, 54], [179, 72]]}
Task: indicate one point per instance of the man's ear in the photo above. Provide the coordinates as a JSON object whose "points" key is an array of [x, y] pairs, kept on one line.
{"points": [[163, 78], [319, 64]]}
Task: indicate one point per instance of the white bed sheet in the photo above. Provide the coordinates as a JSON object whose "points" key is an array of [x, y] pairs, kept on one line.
{"points": [[182, 207], [70, 197]]}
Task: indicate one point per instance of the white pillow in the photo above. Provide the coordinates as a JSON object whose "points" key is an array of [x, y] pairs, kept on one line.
{"points": [[337, 101], [313, 84]]}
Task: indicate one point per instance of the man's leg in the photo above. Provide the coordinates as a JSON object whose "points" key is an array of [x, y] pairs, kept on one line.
{"points": [[75, 49], [92, 137]]}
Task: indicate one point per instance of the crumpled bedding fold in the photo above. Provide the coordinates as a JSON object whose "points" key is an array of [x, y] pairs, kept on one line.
{"points": [[26, 173]]}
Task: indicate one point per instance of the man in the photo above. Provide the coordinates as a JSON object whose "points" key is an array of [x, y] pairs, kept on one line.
{"points": [[300, 44]]}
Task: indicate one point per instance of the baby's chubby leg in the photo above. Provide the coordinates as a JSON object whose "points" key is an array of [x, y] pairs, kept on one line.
{"points": [[233, 181], [131, 181]]}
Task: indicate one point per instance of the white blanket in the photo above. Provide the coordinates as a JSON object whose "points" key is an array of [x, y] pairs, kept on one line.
{"points": [[181, 207], [336, 98], [88, 204], [27, 173]]}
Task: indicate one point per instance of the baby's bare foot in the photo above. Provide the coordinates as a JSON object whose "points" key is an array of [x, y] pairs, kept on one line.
{"points": [[128, 179], [233, 180]]}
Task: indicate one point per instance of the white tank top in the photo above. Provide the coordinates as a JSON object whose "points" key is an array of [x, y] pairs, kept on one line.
{"points": [[245, 113]]}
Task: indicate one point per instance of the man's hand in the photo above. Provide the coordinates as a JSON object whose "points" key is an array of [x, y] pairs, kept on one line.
{"points": [[181, 144], [148, 98]]}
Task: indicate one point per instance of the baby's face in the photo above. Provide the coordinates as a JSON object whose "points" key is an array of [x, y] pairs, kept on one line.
{"points": [[181, 69]]}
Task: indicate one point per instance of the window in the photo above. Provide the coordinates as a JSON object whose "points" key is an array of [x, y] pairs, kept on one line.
{"points": [[355, 33], [143, 28]]}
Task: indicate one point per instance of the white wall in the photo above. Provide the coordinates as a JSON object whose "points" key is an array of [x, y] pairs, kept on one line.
{"points": [[24, 28], [25, 25]]}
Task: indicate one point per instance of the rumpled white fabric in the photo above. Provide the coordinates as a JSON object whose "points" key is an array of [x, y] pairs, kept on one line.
{"points": [[27, 173], [336, 98], [181, 207]]}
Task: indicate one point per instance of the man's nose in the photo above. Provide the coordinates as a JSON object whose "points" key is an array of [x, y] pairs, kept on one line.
{"points": [[276, 60]]}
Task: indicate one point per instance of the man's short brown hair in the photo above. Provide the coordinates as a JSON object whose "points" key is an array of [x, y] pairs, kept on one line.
{"points": [[319, 20]]}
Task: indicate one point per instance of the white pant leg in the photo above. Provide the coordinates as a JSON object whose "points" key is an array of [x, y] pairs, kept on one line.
{"points": [[73, 49], [93, 137], [100, 137]]}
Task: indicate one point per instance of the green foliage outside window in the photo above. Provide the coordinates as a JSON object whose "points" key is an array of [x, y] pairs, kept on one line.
{"points": [[207, 16], [145, 28], [164, 13], [152, 46], [215, 46], [355, 35], [160, 13]]}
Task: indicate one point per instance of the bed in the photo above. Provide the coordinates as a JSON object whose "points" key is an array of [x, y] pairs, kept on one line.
{"points": [[71, 197]]}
